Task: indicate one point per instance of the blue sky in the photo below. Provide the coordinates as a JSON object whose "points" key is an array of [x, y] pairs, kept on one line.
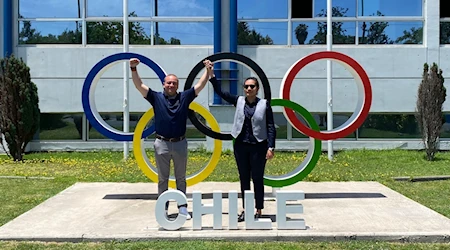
{"points": [[201, 33]]}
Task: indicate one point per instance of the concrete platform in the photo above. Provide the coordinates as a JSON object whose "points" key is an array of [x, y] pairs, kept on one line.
{"points": [[332, 211]]}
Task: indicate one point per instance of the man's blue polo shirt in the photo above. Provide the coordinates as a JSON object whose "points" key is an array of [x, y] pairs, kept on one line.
{"points": [[171, 112]]}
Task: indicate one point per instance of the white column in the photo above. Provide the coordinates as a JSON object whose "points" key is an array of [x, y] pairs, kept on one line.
{"points": [[431, 30], [126, 112], [329, 77]]}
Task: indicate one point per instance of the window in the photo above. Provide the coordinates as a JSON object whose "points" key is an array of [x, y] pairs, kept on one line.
{"points": [[32, 32], [151, 22], [445, 22], [262, 33], [390, 7], [301, 9], [50, 9], [354, 22], [391, 33], [262, 9], [340, 8], [321, 120], [444, 9], [55, 126], [389, 126]]}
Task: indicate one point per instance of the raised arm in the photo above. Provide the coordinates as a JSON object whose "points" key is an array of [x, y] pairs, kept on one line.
{"points": [[217, 88], [204, 79], [143, 89]]}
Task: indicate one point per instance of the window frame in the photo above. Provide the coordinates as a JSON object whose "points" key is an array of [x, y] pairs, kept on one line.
{"points": [[84, 19], [357, 19]]}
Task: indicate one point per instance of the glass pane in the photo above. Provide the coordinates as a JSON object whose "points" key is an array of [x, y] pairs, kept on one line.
{"points": [[115, 120], [139, 32], [60, 127], [321, 120], [280, 125], [261, 33], [100, 8], [104, 32], [389, 126], [391, 32], [445, 131], [390, 8], [49, 32], [50, 8], [192, 132], [262, 9], [186, 33], [341, 8], [445, 33], [184, 8], [141, 8], [316, 32]]}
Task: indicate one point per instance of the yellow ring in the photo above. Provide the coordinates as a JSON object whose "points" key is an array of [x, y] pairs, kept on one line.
{"points": [[151, 172]]}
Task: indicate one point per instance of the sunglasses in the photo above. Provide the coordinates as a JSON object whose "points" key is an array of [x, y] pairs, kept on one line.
{"points": [[252, 86]]}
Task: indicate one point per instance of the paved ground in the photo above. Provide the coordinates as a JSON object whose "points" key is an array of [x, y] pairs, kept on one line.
{"points": [[332, 211]]}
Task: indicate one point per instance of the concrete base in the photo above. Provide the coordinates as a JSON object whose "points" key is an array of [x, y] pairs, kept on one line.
{"points": [[332, 211]]}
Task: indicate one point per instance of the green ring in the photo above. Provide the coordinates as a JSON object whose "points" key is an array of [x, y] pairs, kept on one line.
{"points": [[312, 157]]}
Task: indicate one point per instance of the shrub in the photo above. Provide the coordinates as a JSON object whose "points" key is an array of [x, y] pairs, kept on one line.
{"points": [[19, 106], [430, 98]]}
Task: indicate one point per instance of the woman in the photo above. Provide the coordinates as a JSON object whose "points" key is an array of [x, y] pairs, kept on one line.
{"points": [[254, 133]]}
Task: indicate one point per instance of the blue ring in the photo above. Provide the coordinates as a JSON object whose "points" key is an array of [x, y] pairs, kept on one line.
{"points": [[87, 86]]}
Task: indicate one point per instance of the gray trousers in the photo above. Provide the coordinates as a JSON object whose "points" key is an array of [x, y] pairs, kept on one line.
{"points": [[165, 151]]}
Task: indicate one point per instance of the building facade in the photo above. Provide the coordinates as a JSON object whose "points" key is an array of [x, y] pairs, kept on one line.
{"points": [[391, 39]]}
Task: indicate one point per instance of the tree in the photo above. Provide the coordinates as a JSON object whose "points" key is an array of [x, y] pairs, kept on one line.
{"points": [[19, 106], [430, 98], [413, 36], [301, 33], [339, 36], [376, 33], [247, 36]]}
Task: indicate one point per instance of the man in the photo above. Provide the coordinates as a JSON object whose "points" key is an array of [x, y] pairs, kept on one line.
{"points": [[171, 110]]}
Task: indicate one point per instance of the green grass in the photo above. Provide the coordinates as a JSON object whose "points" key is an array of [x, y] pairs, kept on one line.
{"points": [[207, 245], [20, 195]]}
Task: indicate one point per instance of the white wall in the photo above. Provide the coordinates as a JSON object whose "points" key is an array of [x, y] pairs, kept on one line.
{"points": [[394, 71], [59, 73]]}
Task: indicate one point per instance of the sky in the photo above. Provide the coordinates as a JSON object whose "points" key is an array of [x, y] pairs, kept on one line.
{"points": [[202, 33]]}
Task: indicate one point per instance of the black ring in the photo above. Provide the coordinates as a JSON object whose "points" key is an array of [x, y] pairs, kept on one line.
{"points": [[216, 57]]}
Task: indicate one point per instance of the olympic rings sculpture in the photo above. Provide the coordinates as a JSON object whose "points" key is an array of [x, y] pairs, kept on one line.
{"points": [[289, 109]]}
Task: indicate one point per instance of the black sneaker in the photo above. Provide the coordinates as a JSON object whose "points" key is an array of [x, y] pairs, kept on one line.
{"points": [[241, 217]]}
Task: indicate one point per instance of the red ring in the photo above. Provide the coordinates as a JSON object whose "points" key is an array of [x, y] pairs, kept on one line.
{"points": [[328, 135]]}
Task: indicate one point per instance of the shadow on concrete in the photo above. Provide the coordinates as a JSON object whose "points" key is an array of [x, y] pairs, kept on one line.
{"points": [[225, 195]]}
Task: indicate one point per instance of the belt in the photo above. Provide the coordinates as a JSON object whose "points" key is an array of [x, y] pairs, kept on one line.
{"points": [[175, 139]]}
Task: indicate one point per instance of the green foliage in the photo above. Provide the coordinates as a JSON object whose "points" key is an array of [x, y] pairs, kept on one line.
{"points": [[301, 33], [247, 36], [19, 105], [413, 36], [430, 98], [400, 123]]}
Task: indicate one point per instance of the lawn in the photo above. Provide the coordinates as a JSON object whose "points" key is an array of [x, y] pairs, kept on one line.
{"points": [[21, 194]]}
